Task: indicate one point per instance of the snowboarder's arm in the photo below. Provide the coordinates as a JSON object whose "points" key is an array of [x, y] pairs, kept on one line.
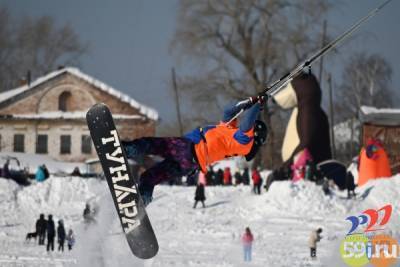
{"points": [[249, 118]]}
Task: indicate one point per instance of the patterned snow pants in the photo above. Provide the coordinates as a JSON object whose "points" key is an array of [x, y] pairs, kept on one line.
{"points": [[176, 151]]}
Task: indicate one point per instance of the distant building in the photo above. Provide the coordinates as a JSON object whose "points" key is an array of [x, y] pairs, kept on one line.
{"points": [[48, 116], [383, 124]]}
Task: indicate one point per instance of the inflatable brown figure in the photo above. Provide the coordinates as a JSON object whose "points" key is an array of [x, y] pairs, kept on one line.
{"points": [[307, 133]]}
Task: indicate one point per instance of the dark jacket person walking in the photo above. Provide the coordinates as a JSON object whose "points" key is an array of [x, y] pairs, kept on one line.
{"points": [[51, 232], [41, 225], [61, 235]]}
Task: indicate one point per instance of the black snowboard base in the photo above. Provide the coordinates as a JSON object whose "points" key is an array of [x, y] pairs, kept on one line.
{"points": [[123, 187]]}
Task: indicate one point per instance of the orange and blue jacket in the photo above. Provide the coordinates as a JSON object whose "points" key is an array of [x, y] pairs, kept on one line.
{"points": [[216, 142]]}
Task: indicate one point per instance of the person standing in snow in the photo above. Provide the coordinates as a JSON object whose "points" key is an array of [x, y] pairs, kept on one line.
{"points": [[246, 176], [238, 178], [210, 176], [257, 181], [202, 147], [199, 195], [227, 176], [41, 225], [247, 241], [61, 235], [219, 177], [70, 239], [314, 238], [350, 185], [51, 232], [40, 175]]}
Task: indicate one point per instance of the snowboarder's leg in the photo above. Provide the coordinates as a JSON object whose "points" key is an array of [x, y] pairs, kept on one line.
{"points": [[202, 202], [195, 204], [161, 172], [146, 146]]}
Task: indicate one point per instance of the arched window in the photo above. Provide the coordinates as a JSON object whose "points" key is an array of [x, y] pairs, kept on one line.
{"points": [[63, 100]]}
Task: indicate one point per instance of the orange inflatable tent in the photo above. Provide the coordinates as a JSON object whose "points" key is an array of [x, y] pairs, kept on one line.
{"points": [[374, 163]]}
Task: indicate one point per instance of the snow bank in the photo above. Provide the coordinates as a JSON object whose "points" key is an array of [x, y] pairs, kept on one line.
{"points": [[32, 161], [281, 221]]}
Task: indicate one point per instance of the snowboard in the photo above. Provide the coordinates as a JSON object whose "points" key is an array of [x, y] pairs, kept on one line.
{"points": [[122, 184]]}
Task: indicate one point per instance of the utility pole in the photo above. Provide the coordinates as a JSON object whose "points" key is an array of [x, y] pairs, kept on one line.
{"points": [[332, 132], [177, 105], [321, 62]]}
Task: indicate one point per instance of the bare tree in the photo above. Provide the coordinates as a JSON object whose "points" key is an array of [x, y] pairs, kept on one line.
{"points": [[366, 81], [34, 44], [243, 45]]}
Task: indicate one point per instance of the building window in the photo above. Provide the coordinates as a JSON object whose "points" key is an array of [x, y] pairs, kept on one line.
{"points": [[41, 144], [19, 143], [65, 147], [63, 101], [86, 147]]}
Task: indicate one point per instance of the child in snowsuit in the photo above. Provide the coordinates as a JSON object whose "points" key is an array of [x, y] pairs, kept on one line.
{"points": [[199, 148], [247, 241], [314, 238], [70, 239]]}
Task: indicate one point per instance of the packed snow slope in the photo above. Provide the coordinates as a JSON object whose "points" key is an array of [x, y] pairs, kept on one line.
{"points": [[281, 221]]}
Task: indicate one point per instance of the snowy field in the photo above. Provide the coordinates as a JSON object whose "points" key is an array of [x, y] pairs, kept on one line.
{"points": [[281, 221]]}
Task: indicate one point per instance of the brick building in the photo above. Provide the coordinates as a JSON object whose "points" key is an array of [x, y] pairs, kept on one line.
{"points": [[48, 115]]}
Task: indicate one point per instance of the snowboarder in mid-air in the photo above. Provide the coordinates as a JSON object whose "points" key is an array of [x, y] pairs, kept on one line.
{"points": [[200, 147]]}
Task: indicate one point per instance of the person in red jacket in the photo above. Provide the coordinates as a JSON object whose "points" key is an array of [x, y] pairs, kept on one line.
{"points": [[257, 181], [227, 176], [247, 241]]}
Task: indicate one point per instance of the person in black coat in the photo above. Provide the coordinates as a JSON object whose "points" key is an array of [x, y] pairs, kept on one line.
{"points": [[41, 225], [199, 195], [220, 177], [246, 176], [51, 232], [350, 185], [61, 235]]}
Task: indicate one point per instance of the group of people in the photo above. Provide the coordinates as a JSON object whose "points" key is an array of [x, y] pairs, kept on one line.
{"points": [[225, 177], [47, 227]]}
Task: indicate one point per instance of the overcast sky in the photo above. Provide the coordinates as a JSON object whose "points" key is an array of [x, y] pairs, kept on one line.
{"points": [[129, 40]]}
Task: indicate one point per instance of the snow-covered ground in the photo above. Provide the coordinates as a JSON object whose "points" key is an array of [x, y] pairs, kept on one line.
{"points": [[281, 221]]}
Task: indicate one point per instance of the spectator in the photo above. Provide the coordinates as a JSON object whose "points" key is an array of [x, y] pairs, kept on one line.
{"points": [[257, 181], [61, 235], [227, 176], [88, 214], [6, 169], [40, 175], [51, 232], [76, 172], [309, 172], [245, 176], [210, 176], [41, 225], [199, 195], [220, 177], [70, 239], [238, 178], [326, 187], [314, 238], [247, 241], [46, 172], [350, 185]]}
